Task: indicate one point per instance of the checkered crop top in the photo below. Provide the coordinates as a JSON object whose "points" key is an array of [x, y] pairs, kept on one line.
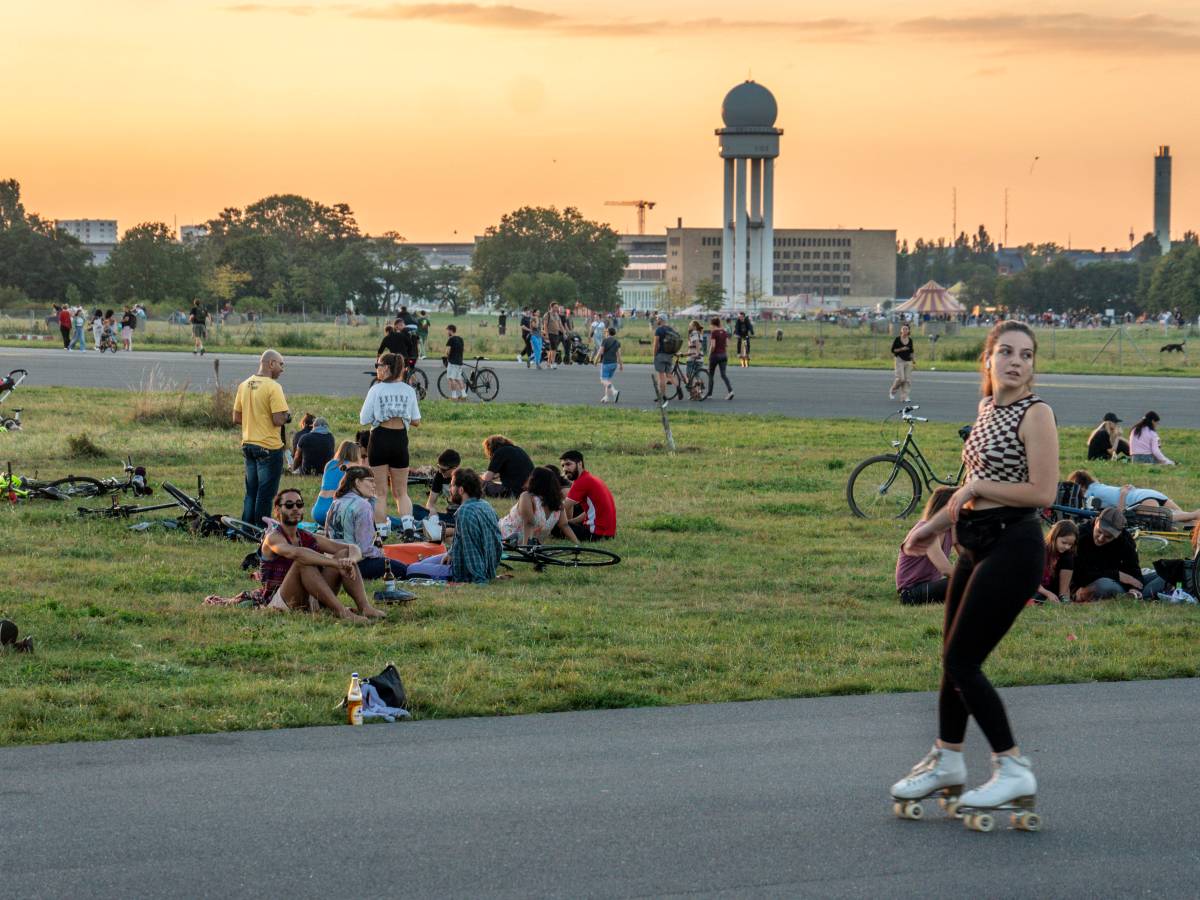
{"points": [[993, 450]]}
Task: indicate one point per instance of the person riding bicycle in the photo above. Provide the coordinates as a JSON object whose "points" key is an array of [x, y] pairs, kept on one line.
{"points": [[743, 328]]}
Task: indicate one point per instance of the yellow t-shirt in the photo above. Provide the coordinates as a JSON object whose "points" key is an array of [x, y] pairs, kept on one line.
{"points": [[257, 398]]}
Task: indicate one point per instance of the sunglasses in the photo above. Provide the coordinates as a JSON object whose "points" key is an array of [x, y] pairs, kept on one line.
{"points": [[287, 504]]}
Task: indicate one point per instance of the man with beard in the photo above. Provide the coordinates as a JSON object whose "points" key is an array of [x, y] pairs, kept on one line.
{"points": [[589, 504], [301, 571]]}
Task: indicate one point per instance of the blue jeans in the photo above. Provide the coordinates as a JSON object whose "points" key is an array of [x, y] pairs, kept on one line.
{"points": [[77, 341], [1107, 587], [263, 470]]}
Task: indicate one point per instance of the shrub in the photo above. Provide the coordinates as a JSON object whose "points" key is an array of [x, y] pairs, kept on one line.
{"points": [[81, 446], [969, 353]]}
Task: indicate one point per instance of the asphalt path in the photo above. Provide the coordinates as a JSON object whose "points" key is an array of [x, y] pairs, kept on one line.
{"points": [[808, 393], [781, 798]]}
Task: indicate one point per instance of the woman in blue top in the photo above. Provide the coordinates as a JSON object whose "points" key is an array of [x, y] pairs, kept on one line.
{"points": [[347, 455], [1110, 495]]}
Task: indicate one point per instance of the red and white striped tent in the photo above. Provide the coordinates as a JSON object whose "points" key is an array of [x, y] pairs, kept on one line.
{"points": [[933, 299]]}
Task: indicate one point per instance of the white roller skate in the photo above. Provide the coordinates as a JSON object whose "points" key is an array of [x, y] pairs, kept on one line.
{"points": [[941, 772], [1012, 788]]}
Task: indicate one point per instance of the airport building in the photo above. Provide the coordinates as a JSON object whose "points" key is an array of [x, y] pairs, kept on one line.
{"points": [[98, 236]]}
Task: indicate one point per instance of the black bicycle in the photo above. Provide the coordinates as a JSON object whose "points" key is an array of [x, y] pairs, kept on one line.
{"points": [[480, 380], [696, 387], [414, 377], [200, 521], [570, 556], [888, 486]]}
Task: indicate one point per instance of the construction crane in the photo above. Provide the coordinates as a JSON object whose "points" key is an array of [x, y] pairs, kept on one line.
{"points": [[642, 206]]}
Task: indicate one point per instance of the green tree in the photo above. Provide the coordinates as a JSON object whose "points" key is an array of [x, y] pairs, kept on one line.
{"points": [[449, 287], [516, 291], [1175, 282], [400, 267], [35, 257], [545, 240], [553, 287], [222, 282], [149, 264]]}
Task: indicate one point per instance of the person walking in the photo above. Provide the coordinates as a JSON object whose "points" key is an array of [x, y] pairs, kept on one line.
{"points": [[454, 365], [390, 408], [609, 358], [128, 324], [261, 408], [718, 356], [1011, 463], [526, 332], [97, 327], [199, 319], [64, 324], [553, 325], [423, 326], [535, 338], [744, 329], [902, 357], [77, 322]]}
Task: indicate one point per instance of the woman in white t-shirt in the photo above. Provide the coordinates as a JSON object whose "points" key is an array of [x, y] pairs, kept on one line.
{"points": [[390, 408]]}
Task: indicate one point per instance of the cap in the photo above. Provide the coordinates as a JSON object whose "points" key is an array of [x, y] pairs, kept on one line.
{"points": [[1112, 521], [1111, 417]]}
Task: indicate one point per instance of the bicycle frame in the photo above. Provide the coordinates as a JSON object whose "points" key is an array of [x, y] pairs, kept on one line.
{"points": [[909, 449]]}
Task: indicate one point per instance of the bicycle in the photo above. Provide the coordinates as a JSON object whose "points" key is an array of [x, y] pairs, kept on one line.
{"points": [[888, 486], [200, 521], [697, 385], [18, 487], [8, 384], [414, 377], [121, 511], [482, 381], [567, 555]]}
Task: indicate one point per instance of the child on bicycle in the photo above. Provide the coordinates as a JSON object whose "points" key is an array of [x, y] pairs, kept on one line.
{"points": [[695, 349]]}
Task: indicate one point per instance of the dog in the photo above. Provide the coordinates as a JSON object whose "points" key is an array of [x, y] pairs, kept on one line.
{"points": [[1172, 348]]}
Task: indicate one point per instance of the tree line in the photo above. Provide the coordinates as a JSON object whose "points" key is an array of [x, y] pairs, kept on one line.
{"points": [[290, 254], [1049, 280]]}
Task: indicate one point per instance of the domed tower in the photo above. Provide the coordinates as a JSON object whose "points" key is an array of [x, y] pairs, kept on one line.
{"points": [[748, 245]]}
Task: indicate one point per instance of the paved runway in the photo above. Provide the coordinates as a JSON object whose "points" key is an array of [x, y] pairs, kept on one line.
{"points": [[784, 798], [811, 393]]}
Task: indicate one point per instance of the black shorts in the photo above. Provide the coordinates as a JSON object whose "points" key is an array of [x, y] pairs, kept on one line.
{"points": [[388, 447], [555, 340]]}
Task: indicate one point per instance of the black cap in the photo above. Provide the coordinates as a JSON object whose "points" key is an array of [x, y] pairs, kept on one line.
{"points": [[1111, 417]]}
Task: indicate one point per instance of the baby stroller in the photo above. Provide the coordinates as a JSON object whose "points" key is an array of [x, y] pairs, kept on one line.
{"points": [[8, 384], [108, 340], [576, 351]]}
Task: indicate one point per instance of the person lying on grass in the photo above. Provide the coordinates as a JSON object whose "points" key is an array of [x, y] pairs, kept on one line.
{"points": [[301, 571], [474, 556], [1129, 497]]}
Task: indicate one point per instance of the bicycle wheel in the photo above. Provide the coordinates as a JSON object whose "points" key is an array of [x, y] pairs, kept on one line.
{"points": [[239, 529], [698, 388], [487, 385], [574, 557], [443, 387], [74, 486], [883, 487], [677, 375], [419, 383]]}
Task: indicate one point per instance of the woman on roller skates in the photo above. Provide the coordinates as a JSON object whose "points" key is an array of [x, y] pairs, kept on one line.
{"points": [[1011, 460]]}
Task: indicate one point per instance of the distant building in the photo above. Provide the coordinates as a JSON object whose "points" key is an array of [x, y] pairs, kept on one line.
{"points": [[643, 283], [98, 236], [1162, 198], [446, 254], [190, 234], [811, 266]]}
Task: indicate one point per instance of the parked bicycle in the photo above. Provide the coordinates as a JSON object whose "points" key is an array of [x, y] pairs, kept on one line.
{"points": [[480, 380], [8, 384], [888, 486], [414, 377]]}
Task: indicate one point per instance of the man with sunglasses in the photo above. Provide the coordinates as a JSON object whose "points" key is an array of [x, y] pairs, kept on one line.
{"points": [[302, 571], [261, 408]]}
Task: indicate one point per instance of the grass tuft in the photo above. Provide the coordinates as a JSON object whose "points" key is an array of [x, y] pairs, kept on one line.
{"points": [[81, 446]]}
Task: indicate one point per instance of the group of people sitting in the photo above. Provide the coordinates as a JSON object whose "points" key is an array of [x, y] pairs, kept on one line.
{"points": [[1089, 561], [306, 570], [1143, 446]]}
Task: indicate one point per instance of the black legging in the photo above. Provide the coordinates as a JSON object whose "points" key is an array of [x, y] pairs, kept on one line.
{"points": [[714, 361], [526, 347], [987, 592]]}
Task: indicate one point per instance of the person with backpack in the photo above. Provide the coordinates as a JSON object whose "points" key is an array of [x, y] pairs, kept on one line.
{"points": [[744, 329], [666, 344]]}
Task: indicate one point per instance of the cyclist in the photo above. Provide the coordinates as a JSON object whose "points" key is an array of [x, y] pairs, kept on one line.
{"points": [[744, 329], [454, 364]]}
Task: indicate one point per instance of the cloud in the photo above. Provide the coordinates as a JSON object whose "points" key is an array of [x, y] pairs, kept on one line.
{"points": [[989, 71], [1145, 35], [520, 18]]}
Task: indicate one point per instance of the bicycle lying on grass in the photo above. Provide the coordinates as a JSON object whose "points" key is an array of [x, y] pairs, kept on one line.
{"points": [[567, 555], [481, 381], [888, 486], [74, 487]]}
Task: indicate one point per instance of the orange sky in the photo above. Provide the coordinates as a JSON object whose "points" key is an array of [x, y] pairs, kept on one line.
{"points": [[433, 119]]}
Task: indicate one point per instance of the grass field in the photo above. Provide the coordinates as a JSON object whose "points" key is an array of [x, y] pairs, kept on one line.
{"points": [[802, 344], [743, 577]]}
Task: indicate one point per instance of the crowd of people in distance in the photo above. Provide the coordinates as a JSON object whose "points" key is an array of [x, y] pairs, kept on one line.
{"points": [[73, 324], [1085, 561], [306, 568]]}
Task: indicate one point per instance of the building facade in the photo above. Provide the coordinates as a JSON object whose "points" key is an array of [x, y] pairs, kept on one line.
{"points": [[852, 267], [98, 236]]}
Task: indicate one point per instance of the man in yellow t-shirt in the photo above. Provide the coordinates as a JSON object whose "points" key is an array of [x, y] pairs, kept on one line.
{"points": [[261, 409]]}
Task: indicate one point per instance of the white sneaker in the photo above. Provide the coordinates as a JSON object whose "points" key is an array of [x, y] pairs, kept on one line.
{"points": [[616, 396], [891, 395], [939, 770], [432, 526], [1012, 784], [383, 529]]}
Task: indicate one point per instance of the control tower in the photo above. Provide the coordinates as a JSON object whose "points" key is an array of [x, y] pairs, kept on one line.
{"points": [[748, 140]]}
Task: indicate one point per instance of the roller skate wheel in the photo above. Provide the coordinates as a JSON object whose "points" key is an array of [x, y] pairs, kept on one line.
{"points": [[1027, 821], [980, 822], [915, 811], [898, 810], [949, 806]]}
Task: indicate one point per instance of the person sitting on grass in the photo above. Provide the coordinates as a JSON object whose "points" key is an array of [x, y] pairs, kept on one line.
{"points": [[1060, 563], [1129, 498], [537, 512], [438, 526], [314, 449], [589, 504], [1106, 562], [508, 467], [1144, 446], [302, 571], [348, 454], [923, 579], [1106, 441], [474, 557], [351, 520]]}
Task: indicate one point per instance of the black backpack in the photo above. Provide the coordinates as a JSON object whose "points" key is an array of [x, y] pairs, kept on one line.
{"points": [[669, 341]]}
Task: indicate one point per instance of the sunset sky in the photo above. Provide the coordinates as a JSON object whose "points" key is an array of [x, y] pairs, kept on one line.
{"points": [[433, 119]]}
